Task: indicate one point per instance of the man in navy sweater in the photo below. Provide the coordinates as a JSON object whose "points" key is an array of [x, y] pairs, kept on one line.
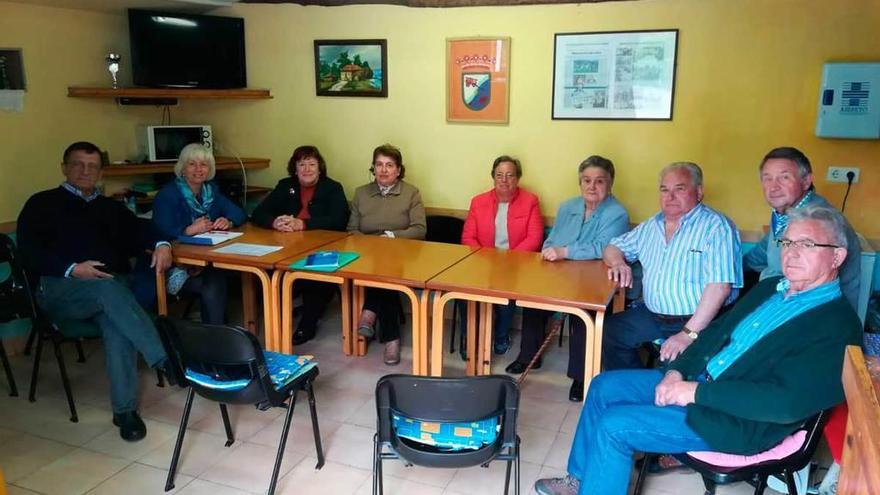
{"points": [[78, 244]]}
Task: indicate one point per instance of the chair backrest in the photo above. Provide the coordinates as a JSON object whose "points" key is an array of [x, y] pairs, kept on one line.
{"points": [[448, 400], [442, 228], [221, 352], [16, 298]]}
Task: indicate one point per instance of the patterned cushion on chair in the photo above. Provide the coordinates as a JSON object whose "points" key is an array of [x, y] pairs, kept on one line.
{"points": [[448, 436], [783, 449], [283, 368]]}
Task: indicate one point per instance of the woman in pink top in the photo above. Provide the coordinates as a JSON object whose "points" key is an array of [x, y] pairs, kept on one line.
{"points": [[505, 217]]}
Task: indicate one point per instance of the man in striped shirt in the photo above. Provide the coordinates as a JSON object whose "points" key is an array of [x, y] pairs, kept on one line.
{"points": [[690, 255]]}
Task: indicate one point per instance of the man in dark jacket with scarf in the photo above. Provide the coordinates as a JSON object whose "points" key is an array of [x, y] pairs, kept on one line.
{"points": [[746, 383]]}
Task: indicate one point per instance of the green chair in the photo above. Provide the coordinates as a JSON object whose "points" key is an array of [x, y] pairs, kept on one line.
{"points": [[21, 305], [15, 310]]}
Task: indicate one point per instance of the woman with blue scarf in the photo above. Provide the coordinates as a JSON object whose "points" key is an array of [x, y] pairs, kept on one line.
{"points": [[192, 205]]}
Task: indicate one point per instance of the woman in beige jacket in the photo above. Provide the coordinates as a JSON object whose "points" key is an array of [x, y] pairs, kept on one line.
{"points": [[388, 207]]}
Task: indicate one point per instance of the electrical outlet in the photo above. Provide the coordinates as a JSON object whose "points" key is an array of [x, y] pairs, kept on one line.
{"points": [[838, 174]]}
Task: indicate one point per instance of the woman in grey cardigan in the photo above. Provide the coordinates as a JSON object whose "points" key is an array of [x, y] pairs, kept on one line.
{"points": [[388, 207]]}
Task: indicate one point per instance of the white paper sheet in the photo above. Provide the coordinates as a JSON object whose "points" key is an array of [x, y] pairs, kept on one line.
{"points": [[246, 249], [12, 100]]}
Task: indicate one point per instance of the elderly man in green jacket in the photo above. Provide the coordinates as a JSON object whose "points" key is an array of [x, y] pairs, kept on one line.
{"points": [[746, 383]]}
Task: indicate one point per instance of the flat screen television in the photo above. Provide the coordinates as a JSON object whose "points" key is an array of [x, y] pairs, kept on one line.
{"points": [[186, 50]]}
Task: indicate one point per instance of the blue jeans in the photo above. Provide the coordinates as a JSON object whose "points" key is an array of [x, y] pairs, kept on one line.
{"points": [[125, 327], [625, 332], [619, 418]]}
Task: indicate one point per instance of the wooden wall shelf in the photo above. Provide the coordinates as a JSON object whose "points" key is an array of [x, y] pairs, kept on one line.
{"points": [[223, 163], [189, 93]]}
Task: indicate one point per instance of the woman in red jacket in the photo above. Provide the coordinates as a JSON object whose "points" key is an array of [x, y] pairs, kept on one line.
{"points": [[506, 217]]}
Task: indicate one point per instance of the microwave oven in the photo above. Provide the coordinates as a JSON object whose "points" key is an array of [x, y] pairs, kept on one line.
{"points": [[162, 143]]}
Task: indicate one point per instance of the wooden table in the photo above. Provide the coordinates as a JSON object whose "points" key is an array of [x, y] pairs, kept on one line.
{"points": [[404, 265], [860, 470], [494, 276], [293, 244]]}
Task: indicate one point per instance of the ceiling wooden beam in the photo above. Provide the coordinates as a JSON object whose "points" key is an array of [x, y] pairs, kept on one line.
{"points": [[427, 3]]}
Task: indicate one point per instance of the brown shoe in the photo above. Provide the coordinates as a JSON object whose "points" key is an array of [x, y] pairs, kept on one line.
{"points": [[392, 352]]}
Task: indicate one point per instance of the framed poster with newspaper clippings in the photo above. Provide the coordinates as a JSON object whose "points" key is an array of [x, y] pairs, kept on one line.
{"points": [[623, 75]]}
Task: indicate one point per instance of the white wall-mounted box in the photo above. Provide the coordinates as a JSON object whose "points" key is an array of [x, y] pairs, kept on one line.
{"points": [[849, 101]]}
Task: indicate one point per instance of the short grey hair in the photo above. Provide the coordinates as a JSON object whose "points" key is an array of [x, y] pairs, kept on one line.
{"points": [[195, 151], [832, 221], [599, 162], [693, 169]]}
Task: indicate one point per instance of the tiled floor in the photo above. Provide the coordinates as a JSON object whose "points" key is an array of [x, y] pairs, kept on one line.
{"points": [[42, 452]]}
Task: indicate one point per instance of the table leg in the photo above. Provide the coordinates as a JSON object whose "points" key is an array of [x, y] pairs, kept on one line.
{"points": [[593, 351], [416, 311], [473, 350], [161, 295], [423, 332], [359, 342], [440, 301], [161, 291], [486, 339], [345, 299], [269, 300], [285, 332], [597, 346], [249, 304], [273, 338]]}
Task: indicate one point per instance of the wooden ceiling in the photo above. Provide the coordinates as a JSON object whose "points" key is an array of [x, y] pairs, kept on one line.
{"points": [[427, 3]]}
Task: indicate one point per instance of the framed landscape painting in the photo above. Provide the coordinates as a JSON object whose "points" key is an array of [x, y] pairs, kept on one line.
{"points": [[351, 68], [478, 80]]}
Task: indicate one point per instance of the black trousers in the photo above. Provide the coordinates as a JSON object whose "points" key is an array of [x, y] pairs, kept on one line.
{"points": [[534, 323], [386, 304], [316, 296], [211, 286]]}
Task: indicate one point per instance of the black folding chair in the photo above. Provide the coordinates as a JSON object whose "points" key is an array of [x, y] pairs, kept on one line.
{"points": [[754, 474], [15, 302], [446, 400], [237, 367], [18, 302]]}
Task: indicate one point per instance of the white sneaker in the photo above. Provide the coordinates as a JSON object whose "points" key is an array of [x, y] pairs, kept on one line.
{"points": [[568, 485], [801, 481], [829, 482]]}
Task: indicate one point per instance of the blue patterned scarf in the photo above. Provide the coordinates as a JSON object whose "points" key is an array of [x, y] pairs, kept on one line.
{"points": [[198, 209], [779, 221]]}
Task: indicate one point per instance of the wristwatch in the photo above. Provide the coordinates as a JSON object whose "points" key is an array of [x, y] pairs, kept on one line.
{"points": [[690, 333]]}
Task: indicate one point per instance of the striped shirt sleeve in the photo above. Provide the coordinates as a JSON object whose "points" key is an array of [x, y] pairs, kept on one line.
{"points": [[723, 260], [628, 243]]}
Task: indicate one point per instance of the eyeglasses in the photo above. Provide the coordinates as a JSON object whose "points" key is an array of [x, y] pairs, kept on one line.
{"points": [[91, 167], [802, 244], [505, 176]]}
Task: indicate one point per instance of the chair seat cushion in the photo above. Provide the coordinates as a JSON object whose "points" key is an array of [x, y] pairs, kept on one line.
{"points": [[282, 368], [448, 436], [783, 449]]}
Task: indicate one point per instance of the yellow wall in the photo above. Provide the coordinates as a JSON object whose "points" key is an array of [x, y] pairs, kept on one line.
{"points": [[748, 77]]}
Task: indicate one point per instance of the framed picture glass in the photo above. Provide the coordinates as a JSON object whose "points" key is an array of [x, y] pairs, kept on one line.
{"points": [[351, 68], [614, 75], [478, 80], [11, 69]]}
